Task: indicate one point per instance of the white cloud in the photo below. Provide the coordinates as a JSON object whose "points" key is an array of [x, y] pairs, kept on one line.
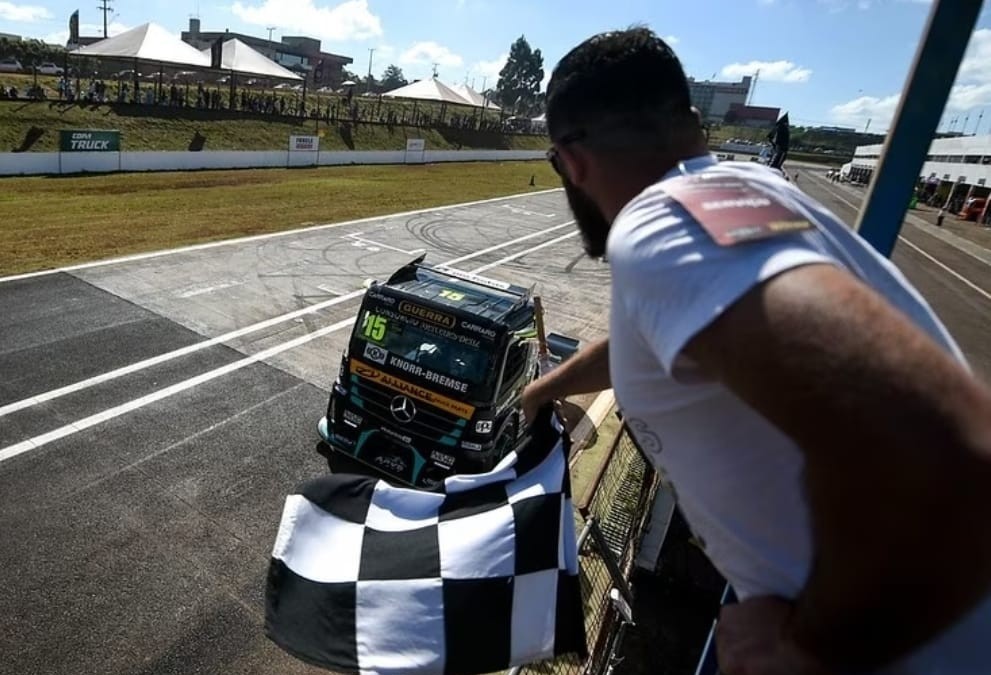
{"points": [[349, 20], [971, 90], [60, 37], [429, 53], [855, 113], [490, 69], [23, 13], [974, 67], [770, 71], [672, 40]]}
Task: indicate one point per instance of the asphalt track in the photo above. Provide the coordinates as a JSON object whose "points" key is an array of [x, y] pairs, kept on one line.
{"points": [[155, 411]]}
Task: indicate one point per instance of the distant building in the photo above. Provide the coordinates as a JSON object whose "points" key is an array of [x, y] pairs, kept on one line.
{"points": [[10, 36], [835, 130], [299, 54], [713, 99], [751, 115], [955, 170]]}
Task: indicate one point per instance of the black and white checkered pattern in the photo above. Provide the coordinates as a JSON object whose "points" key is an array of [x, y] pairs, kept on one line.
{"points": [[483, 575]]}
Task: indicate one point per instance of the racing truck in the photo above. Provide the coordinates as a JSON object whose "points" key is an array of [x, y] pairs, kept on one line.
{"points": [[430, 382]]}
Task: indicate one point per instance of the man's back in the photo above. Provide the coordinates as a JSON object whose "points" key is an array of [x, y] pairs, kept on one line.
{"points": [[739, 479]]}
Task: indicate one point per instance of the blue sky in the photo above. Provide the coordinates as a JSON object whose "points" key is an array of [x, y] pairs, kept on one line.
{"points": [[825, 61]]}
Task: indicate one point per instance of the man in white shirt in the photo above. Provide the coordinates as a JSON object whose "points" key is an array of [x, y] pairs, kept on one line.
{"points": [[828, 444]]}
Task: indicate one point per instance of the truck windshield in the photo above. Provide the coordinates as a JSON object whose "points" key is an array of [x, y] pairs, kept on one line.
{"points": [[450, 362]]}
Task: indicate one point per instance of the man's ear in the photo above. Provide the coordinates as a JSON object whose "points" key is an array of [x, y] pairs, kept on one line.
{"points": [[698, 115], [574, 160]]}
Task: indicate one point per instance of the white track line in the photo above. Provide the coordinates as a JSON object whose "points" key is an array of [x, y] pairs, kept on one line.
{"points": [[956, 274], [970, 284], [87, 422], [260, 237], [92, 420], [232, 335], [523, 253]]}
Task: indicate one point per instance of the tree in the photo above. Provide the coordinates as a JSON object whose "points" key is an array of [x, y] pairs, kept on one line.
{"points": [[392, 78], [519, 80], [348, 75]]}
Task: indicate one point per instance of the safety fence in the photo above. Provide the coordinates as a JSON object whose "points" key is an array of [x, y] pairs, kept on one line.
{"points": [[611, 517]]}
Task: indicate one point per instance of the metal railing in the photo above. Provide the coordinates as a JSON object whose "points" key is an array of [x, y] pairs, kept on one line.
{"points": [[611, 517]]}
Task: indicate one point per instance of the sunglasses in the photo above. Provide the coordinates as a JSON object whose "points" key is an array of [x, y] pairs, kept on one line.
{"points": [[552, 154]]}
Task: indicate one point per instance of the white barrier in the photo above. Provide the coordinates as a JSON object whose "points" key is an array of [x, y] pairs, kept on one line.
{"points": [[40, 163], [29, 163]]}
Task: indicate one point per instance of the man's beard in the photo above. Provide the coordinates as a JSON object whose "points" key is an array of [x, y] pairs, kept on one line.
{"points": [[591, 223]]}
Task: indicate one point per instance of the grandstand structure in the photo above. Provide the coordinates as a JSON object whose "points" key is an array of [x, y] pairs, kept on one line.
{"points": [[300, 54]]}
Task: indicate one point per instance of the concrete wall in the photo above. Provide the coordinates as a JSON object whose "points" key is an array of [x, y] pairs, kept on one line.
{"points": [[37, 163]]}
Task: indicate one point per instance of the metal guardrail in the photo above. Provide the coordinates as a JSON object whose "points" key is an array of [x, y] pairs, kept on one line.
{"points": [[611, 517]]}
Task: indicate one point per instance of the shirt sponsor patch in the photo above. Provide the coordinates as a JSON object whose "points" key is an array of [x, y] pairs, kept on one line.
{"points": [[732, 210]]}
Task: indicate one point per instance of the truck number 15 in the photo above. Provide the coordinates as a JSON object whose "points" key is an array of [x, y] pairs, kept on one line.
{"points": [[373, 327]]}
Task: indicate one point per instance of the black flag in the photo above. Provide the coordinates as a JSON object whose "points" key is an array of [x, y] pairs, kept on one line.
{"points": [[217, 53], [779, 137], [74, 28]]}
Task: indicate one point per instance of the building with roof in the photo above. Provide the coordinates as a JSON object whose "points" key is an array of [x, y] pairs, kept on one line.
{"points": [[713, 99], [956, 169], [299, 54], [761, 117]]}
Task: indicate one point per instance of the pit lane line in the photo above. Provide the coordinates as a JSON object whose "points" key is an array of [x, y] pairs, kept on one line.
{"points": [[260, 237], [240, 332], [946, 268], [67, 430]]}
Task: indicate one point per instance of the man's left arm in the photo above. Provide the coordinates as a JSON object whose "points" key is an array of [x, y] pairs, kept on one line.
{"points": [[896, 438]]}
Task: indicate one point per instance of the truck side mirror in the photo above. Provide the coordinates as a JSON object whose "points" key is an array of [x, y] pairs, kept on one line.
{"points": [[561, 346]]}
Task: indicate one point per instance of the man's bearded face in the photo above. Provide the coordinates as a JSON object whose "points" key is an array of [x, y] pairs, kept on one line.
{"points": [[591, 223]]}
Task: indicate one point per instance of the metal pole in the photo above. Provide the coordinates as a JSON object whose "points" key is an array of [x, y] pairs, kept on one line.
{"points": [[923, 98]]}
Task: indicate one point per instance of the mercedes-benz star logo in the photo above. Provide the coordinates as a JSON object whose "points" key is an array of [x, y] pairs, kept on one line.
{"points": [[403, 409]]}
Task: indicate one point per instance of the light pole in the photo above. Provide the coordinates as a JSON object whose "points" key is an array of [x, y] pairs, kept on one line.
{"points": [[368, 81]]}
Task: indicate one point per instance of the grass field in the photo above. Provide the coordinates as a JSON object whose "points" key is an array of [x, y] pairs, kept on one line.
{"points": [[51, 222], [33, 126]]}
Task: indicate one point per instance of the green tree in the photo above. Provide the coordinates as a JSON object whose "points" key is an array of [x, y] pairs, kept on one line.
{"points": [[518, 89], [393, 78]]}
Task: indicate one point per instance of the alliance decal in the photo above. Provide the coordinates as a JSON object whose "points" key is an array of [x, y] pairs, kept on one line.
{"points": [[462, 410]]}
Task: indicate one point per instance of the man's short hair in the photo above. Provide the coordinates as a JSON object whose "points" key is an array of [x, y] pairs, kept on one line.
{"points": [[626, 84]]}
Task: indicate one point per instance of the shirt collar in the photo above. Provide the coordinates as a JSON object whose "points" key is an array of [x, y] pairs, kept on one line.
{"points": [[692, 165]]}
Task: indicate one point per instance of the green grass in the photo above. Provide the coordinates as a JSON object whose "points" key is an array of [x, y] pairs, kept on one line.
{"points": [[34, 125], [51, 222]]}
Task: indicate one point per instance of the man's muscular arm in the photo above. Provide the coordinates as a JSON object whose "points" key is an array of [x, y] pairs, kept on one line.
{"points": [[585, 372], [896, 436]]}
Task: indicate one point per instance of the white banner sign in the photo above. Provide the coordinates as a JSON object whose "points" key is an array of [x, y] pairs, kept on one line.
{"points": [[415, 145], [304, 143]]}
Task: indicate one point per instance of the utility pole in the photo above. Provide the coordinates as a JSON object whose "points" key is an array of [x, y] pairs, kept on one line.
{"points": [[270, 30], [368, 81], [753, 87], [105, 7]]}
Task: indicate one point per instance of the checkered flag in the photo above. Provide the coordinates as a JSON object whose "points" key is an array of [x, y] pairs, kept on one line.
{"points": [[478, 576]]}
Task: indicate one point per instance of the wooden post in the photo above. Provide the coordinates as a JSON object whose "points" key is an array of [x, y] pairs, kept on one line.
{"points": [[538, 312]]}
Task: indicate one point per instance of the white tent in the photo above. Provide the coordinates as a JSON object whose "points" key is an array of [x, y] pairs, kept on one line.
{"points": [[476, 99], [241, 58], [429, 90], [148, 42]]}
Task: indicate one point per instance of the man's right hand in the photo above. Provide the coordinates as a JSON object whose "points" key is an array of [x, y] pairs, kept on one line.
{"points": [[534, 398]]}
